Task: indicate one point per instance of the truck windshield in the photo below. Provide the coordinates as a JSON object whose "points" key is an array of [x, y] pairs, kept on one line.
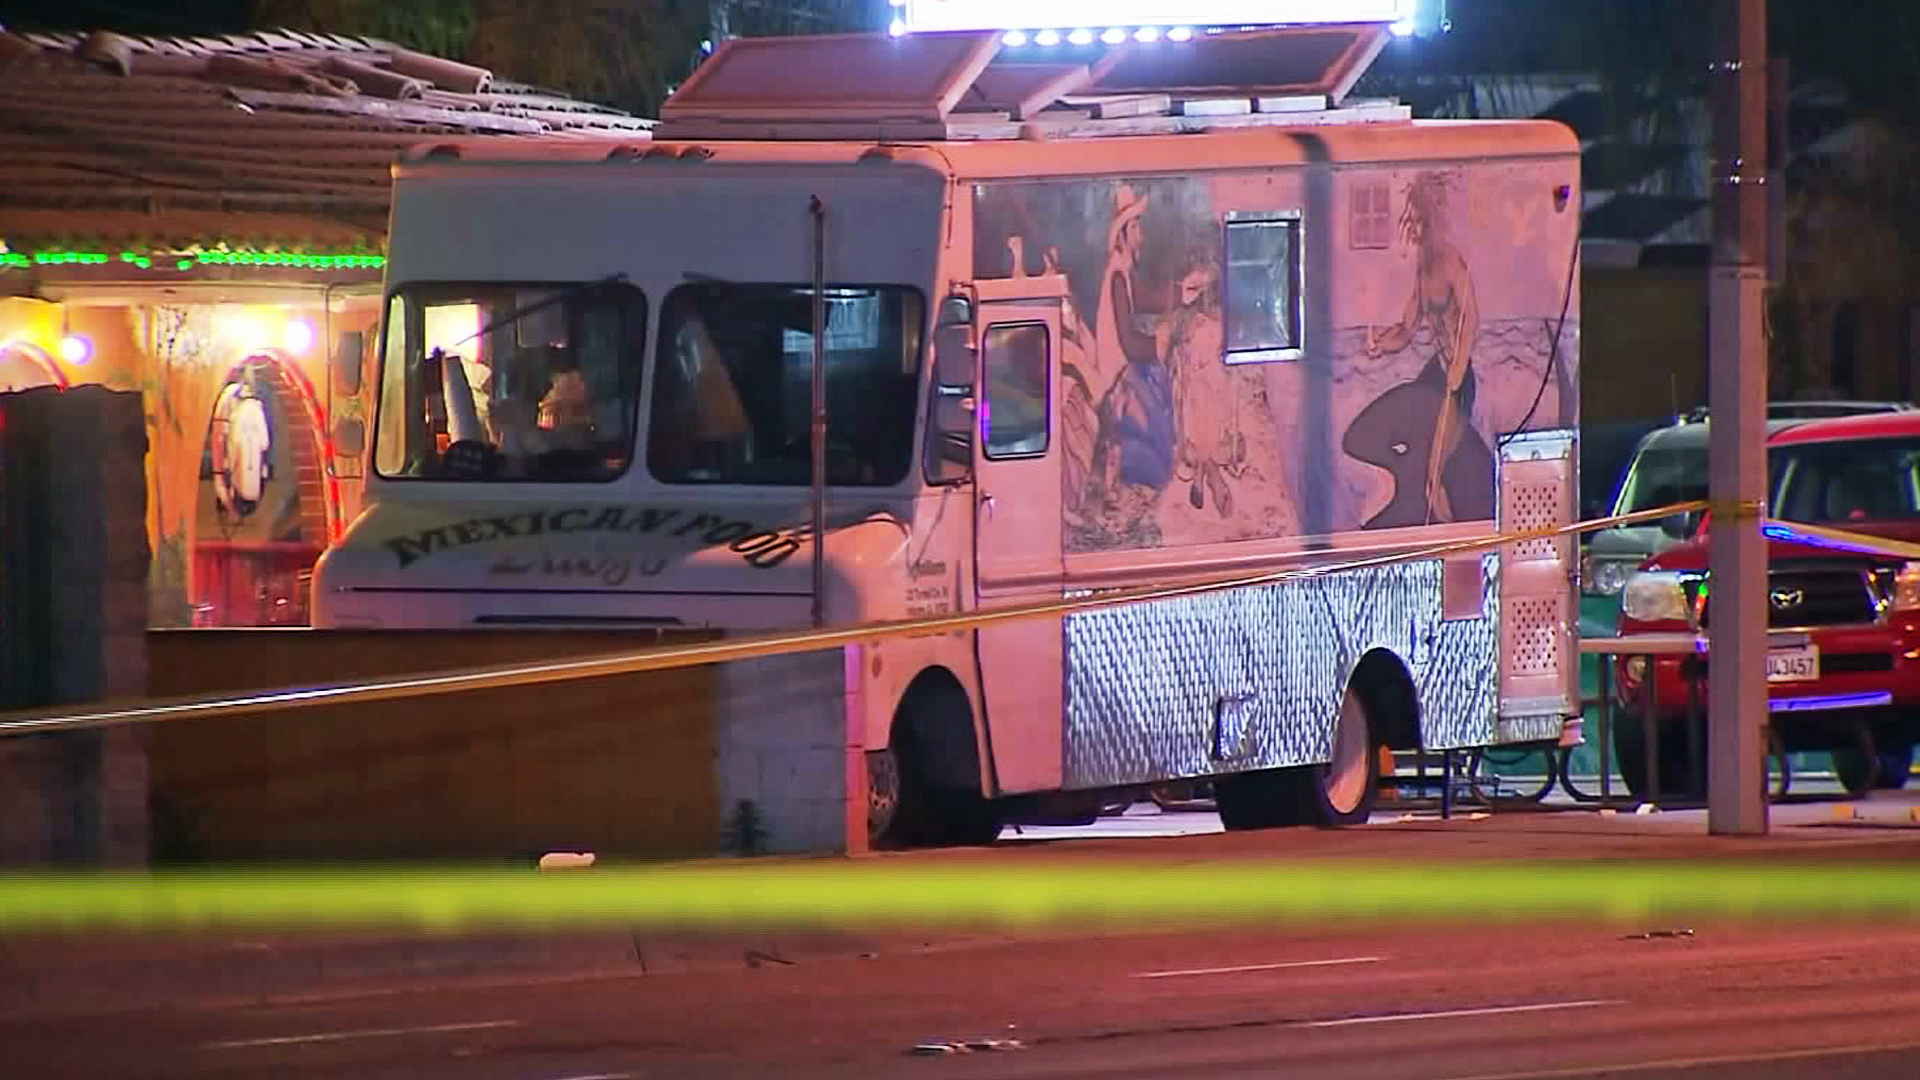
{"points": [[541, 382], [1847, 480], [732, 392]]}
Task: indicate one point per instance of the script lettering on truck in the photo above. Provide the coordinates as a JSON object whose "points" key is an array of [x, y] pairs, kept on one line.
{"points": [[757, 546]]}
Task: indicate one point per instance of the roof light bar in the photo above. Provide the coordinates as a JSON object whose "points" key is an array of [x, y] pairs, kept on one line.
{"points": [[1030, 15]]}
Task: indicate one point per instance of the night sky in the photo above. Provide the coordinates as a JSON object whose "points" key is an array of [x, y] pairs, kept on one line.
{"points": [[163, 17], [1871, 46]]}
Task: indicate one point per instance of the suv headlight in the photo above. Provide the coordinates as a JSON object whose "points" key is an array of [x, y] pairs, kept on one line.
{"points": [[1604, 577], [1656, 596], [1906, 588]]}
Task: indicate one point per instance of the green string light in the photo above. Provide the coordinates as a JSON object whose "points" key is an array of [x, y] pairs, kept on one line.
{"points": [[223, 257]]}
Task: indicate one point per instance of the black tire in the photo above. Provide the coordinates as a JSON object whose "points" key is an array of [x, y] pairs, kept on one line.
{"points": [[1630, 762], [1777, 757], [1857, 766], [1340, 792], [921, 812], [1896, 766], [1679, 777], [890, 826]]}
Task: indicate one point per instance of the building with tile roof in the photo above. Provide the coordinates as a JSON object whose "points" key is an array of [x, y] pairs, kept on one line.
{"points": [[268, 144], [203, 220]]}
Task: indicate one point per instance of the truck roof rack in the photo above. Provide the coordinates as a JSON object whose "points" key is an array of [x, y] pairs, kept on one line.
{"points": [[963, 86]]}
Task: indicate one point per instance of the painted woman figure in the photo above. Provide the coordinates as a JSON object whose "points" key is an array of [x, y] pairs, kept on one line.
{"points": [[1139, 407], [1422, 431]]}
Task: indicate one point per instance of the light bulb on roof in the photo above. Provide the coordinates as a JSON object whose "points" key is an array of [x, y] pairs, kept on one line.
{"points": [[1081, 37], [1147, 33], [1403, 28], [1013, 39], [897, 28], [1047, 37], [1179, 33], [1114, 36]]}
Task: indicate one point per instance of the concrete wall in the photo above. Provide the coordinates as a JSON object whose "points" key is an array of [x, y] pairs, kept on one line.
{"points": [[786, 743], [73, 610], [642, 766]]}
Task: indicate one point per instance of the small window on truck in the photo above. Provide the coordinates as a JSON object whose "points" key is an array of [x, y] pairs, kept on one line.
{"points": [[1262, 304], [1014, 419]]}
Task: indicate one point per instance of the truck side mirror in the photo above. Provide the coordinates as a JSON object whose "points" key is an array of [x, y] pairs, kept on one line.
{"points": [[950, 419], [953, 357], [950, 439]]}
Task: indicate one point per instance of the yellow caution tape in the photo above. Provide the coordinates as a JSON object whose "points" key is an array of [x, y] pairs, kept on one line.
{"points": [[31, 722], [875, 895]]}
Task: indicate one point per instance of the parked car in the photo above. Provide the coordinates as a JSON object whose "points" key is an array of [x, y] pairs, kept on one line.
{"points": [[1670, 465], [1853, 687]]}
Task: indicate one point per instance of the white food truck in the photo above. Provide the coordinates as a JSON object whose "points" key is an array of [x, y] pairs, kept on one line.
{"points": [[1084, 320]]}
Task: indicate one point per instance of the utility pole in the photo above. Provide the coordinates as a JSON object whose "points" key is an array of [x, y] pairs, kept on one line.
{"points": [[1737, 600]]}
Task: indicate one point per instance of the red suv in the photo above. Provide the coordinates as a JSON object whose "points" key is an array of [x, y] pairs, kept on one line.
{"points": [[1850, 682]]}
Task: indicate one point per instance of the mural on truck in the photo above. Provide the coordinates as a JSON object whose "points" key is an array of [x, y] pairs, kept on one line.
{"points": [[1216, 391]]}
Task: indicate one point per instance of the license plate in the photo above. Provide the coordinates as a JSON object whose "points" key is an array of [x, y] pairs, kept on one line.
{"points": [[1799, 664]]}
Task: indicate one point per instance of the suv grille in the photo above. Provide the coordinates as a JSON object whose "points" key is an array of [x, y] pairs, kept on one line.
{"points": [[1837, 597]]}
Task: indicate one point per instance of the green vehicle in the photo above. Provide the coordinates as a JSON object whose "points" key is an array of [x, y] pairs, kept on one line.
{"points": [[1670, 466]]}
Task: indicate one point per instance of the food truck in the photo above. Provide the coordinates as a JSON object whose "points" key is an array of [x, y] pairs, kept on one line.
{"points": [[879, 327]]}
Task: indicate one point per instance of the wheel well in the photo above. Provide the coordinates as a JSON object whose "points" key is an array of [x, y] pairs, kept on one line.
{"points": [[934, 727], [1392, 706]]}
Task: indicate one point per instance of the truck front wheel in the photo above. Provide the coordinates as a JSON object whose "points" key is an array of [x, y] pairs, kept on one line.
{"points": [[923, 790]]}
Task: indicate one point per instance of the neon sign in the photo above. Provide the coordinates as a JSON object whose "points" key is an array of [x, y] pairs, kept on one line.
{"points": [[1127, 17]]}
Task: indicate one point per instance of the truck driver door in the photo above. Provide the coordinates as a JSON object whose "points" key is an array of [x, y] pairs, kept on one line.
{"points": [[1017, 528]]}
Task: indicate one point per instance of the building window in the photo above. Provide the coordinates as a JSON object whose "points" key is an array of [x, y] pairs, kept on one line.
{"points": [[1263, 304], [1015, 415], [1372, 214]]}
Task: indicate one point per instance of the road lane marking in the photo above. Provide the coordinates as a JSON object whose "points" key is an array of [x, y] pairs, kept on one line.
{"points": [[1670, 1064], [1256, 967], [1444, 1014], [363, 1033]]}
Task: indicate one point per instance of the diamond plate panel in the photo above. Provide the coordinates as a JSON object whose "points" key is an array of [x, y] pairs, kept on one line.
{"points": [[1252, 678]]}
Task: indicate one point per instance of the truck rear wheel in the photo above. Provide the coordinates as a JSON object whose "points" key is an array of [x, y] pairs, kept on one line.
{"points": [[1340, 792]]}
